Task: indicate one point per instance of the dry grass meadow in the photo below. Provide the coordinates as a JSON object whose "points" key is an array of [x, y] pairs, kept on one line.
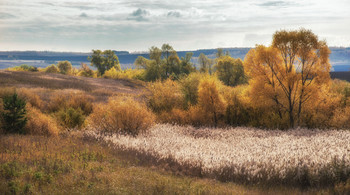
{"points": [[69, 151]]}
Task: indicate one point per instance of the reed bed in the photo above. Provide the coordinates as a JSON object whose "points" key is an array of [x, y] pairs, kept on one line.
{"points": [[298, 157]]}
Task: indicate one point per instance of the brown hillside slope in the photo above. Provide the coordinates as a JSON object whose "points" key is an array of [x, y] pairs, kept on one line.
{"points": [[100, 88]]}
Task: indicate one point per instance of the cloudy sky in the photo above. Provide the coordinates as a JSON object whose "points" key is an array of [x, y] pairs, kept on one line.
{"points": [[136, 25]]}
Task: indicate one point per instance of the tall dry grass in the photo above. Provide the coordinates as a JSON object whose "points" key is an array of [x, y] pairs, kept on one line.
{"points": [[297, 157]]}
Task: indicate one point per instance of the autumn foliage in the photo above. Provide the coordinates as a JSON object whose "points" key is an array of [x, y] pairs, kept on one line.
{"points": [[283, 85], [289, 73], [121, 115]]}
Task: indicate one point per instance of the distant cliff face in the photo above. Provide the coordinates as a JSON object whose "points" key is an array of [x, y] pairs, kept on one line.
{"points": [[340, 57]]}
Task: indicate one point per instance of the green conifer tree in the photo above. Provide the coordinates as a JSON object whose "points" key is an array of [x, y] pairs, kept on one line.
{"points": [[14, 114]]}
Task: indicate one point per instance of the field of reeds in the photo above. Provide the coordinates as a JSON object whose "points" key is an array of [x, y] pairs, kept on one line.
{"points": [[71, 164], [299, 157]]}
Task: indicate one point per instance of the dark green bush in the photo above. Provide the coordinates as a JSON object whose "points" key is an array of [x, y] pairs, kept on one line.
{"points": [[65, 67], [14, 114], [71, 117], [26, 67]]}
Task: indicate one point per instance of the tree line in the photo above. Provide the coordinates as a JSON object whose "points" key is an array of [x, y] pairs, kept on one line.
{"points": [[286, 75]]}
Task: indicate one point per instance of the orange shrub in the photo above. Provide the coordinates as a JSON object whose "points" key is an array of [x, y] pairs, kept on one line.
{"points": [[175, 116], [52, 69], [85, 71], [6, 91], [57, 102], [319, 113], [82, 101], [30, 97], [164, 96], [341, 118], [76, 101], [121, 115], [39, 123], [197, 117]]}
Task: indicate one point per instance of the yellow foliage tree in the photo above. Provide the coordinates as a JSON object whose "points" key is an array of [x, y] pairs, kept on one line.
{"points": [[288, 73], [210, 101]]}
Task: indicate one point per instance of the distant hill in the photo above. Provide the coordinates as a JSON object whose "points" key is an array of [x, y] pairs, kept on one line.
{"points": [[341, 75], [340, 57]]}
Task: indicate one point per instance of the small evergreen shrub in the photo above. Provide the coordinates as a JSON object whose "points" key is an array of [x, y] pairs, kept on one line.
{"points": [[14, 114]]}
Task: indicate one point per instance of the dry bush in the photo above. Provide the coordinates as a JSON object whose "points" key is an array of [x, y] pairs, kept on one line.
{"points": [[197, 116], [28, 94], [113, 73], [81, 101], [65, 67], [319, 113], [341, 118], [52, 69], [61, 101], [85, 71], [39, 123], [121, 115], [6, 91], [71, 117], [175, 116], [164, 96], [30, 97], [57, 102]]}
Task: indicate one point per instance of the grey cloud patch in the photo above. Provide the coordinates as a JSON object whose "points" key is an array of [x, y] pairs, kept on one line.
{"points": [[139, 15], [275, 4], [83, 15], [140, 12], [174, 14]]}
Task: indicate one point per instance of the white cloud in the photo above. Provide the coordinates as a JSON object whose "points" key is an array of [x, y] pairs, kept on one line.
{"points": [[187, 24]]}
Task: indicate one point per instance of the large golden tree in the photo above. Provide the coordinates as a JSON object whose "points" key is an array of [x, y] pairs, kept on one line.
{"points": [[288, 73]]}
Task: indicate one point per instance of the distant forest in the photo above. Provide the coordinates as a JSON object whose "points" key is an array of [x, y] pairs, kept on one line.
{"points": [[340, 57]]}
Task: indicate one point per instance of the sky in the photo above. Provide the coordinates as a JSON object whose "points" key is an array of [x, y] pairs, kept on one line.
{"points": [[136, 25]]}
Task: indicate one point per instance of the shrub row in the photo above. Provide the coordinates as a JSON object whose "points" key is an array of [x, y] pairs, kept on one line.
{"points": [[201, 99]]}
